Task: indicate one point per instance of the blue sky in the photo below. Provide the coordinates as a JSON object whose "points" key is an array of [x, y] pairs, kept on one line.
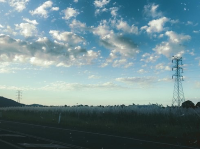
{"points": [[98, 52]]}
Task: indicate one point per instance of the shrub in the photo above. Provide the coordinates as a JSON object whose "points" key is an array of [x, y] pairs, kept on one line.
{"points": [[198, 105], [188, 104]]}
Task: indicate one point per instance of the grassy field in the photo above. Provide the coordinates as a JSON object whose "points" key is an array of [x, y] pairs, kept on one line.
{"points": [[120, 120]]}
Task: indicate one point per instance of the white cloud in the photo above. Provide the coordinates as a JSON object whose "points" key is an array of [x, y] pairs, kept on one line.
{"points": [[77, 25], [120, 63], [34, 22], [128, 65], [9, 30], [69, 13], [147, 57], [174, 45], [151, 10], [55, 8], [101, 3], [75, 1], [113, 11], [122, 25], [174, 21], [1, 26], [119, 45], [177, 38], [64, 86], [161, 66], [142, 71], [189, 23], [68, 37], [18, 5], [26, 29], [165, 80], [42, 10], [155, 25], [116, 43], [94, 77], [196, 32], [161, 36], [141, 81], [3, 1], [44, 52], [4, 68]]}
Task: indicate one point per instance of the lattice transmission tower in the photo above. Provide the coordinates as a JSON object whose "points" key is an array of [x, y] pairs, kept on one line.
{"points": [[19, 96], [178, 94]]}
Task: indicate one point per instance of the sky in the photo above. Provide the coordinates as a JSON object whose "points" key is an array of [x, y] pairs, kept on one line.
{"points": [[98, 52]]}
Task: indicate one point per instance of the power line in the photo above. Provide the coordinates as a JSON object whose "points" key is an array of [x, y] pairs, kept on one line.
{"points": [[178, 94]]}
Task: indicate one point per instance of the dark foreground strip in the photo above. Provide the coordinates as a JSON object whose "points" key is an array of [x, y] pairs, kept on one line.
{"points": [[43, 145], [43, 139], [10, 144], [160, 143]]}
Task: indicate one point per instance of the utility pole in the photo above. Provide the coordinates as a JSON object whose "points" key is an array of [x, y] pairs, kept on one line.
{"points": [[19, 96], [178, 95]]}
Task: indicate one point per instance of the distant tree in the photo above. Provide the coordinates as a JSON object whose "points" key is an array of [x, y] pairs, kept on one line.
{"points": [[198, 105], [188, 104]]}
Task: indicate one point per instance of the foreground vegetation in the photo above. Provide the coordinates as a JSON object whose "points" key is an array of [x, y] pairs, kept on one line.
{"points": [[122, 120]]}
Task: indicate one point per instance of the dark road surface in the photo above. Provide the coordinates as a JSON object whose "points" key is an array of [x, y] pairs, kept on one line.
{"points": [[15, 135]]}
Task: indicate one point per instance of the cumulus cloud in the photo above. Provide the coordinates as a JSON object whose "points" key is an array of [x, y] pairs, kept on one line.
{"points": [[18, 5], [44, 52], [68, 37], [119, 45], [123, 25], [101, 3], [7, 29], [162, 66], [174, 45], [156, 25], [100, 6], [54, 8], [69, 13], [113, 11], [77, 26], [116, 43], [147, 57], [26, 29], [196, 32], [34, 22], [151, 10], [42, 10]]}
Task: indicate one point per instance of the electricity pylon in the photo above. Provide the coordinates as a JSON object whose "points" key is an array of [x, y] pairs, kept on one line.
{"points": [[178, 95], [19, 96]]}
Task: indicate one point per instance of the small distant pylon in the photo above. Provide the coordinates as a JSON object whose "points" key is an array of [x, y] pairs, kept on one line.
{"points": [[19, 96], [178, 94]]}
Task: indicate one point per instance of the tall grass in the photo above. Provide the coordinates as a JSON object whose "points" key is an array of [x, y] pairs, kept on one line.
{"points": [[125, 120]]}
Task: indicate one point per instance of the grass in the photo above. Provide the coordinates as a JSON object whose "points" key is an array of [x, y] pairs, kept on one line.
{"points": [[127, 121]]}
